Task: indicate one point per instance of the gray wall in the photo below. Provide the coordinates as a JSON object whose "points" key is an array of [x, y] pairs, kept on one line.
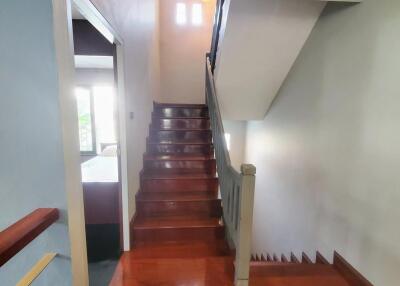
{"points": [[328, 152], [31, 154]]}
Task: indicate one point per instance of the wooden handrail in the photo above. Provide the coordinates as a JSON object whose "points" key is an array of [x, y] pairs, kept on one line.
{"points": [[14, 238]]}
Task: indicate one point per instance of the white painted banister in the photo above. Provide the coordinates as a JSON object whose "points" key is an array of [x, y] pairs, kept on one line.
{"points": [[237, 189]]}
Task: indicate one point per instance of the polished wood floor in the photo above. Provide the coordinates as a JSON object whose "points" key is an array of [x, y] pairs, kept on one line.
{"points": [[188, 263]]}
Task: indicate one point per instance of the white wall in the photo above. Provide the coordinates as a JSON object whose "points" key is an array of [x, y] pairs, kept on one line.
{"points": [[327, 153], [137, 23], [260, 42], [31, 147], [182, 53], [94, 76]]}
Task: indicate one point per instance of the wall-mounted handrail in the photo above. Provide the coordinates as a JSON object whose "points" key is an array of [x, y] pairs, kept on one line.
{"points": [[14, 238], [37, 269], [237, 189], [216, 33]]}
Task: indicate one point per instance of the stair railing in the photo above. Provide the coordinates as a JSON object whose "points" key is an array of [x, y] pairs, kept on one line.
{"points": [[237, 189], [17, 236]]}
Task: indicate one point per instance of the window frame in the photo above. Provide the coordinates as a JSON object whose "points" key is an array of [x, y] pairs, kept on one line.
{"points": [[194, 21]]}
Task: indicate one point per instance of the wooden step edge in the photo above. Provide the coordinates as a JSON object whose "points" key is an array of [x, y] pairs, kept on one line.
{"points": [[145, 176], [178, 179], [320, 259], [348, 272], [184, 105], [178, 158], [290, 269], [305, 259], [158, 116], [197, 118], [179, 143], [143, 200], [181, 227], [208, 130], [262, 264], [156, 129], [293, 258]]}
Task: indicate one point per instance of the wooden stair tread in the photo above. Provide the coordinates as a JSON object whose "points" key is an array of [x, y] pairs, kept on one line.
{"points": [[179, 143], [175, 222], [157, 116], [314, 280], [178, 157], [180, 249], [176, 176], [180, 105], [179, 129], [268, 273], [210, 271], [176, 196]]}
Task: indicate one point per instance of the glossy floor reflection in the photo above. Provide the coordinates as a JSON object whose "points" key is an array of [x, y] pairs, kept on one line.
{"points": [[206, 271]]}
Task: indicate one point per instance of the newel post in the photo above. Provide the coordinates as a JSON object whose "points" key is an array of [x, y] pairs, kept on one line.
{"points": [[243, 248]]}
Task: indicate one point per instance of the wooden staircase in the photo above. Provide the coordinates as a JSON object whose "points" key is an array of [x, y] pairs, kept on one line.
{"points": [[274, 270], [178, 198], [177, 234]]}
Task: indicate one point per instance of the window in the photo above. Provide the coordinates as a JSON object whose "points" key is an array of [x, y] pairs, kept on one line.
{"points": [[86, 130], [103, 99], [181, 13], [96, 117], [197, 14]]}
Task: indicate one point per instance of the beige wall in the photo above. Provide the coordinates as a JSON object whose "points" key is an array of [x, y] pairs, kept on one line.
{"points": [[137, 23], [327, 153], [182, 53]]}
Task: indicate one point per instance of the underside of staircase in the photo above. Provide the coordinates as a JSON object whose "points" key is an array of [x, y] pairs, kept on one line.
{"points": [[178, 235]]}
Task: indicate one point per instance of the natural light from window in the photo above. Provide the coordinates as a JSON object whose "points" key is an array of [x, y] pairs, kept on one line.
{"points": [[85, 119], [181, 13], [197, 14], [103, 97], [96, 117], [228, 141]]}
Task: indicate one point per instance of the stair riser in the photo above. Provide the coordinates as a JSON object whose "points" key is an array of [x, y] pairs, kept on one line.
{"points": [[181, 185], [181, 166], [180, 124], [197, 208], [178, 234], [167, 149], [181, 136], [171, 112]]}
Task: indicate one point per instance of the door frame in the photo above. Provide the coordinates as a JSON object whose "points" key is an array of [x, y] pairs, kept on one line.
{"points": [[63, 39]]}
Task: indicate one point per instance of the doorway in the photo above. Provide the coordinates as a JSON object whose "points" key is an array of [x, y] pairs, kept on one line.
{"points": [[99, 98]]}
